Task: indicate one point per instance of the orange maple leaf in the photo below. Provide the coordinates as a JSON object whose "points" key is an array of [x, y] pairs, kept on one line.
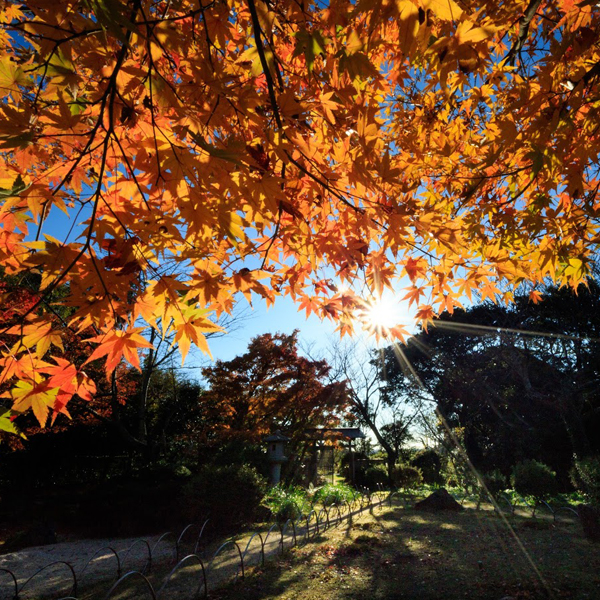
{"points": [[117, 345], [536, 296]]}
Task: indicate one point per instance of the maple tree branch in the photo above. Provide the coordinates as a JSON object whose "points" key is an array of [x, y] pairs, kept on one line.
{"points": [[276, 64], [273, 238], [187, 15], [524, 23], [263, 61], [155, 126], [590, 74], [212, 112], [209, 42], [333, 191], [21, 29], [132, 173], [109, 92], [103, 284]]}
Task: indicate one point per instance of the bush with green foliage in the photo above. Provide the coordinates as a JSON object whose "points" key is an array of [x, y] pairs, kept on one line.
{"points": [[533, 478], [585, 477], [406, 476], [495, 482], [460, 475], [334, 495], [229, 495], [371, 477], [428, 461], [287, 502]]}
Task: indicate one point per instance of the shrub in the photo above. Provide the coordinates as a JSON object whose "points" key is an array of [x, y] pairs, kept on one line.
{"points": [[452, 481], [533, 478], [406, 476], [137, 507], [286, 503], [430, 464], [371, 477], [329, 495], [230, 496], [495, 482], [585, 476]]}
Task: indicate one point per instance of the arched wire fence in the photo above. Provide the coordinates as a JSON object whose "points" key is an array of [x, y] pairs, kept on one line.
{"points": [[164, 540], [560, 515], [13, 579], [146, 585], [146, 552], [100, 553], [191, 576], [51, 580], [202, 582]]}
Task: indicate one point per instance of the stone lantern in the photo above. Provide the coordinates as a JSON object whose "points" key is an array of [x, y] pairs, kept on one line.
{"points": [[276, 444]]}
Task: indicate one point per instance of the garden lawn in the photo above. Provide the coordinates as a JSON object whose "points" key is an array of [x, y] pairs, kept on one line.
{"points": [[401, 553]]}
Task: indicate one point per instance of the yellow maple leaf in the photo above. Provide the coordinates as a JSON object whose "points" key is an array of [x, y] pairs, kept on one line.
{"points": [[38, 397], [40, 335]]}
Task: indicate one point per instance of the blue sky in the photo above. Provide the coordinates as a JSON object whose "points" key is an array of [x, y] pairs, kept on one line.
{"points": [[284, 317]]}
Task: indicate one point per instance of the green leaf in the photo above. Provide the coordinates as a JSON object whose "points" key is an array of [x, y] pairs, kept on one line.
{"points": [[18, 186], [76, 108], [59, 65], [11, 74], [7, 425], [537, 159], [111, 17], [358, 66], [222, 153], [309, 44]]}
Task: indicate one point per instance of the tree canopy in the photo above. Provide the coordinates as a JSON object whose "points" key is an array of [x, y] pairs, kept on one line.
{"points": [[520, 382], [283, 147], [268, 387]]}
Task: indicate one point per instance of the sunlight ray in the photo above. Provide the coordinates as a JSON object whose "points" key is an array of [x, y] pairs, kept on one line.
{"points": [[482, 483], [489, 330], [424, 348], [408, 367]]}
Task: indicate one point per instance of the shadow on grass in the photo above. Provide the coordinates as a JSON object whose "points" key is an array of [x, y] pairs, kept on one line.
{"points": [[405, 554]]}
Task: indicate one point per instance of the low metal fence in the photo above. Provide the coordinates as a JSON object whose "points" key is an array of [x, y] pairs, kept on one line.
{"points": [[190, 573]]}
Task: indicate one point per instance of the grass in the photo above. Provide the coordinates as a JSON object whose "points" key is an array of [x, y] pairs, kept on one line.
{"points": [[404, 554]]}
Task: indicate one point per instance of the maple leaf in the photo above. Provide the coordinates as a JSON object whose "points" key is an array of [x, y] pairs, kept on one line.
{"points": [[117, 345], [413, 295], [425, 314], [7, 424], [70, 380], [536, 296], [415, 267], [193, 330], [37, 396], [22, 367], [40, 335]]}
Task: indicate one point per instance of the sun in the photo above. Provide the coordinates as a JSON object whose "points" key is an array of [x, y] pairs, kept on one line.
{"points": [[381, 315]]}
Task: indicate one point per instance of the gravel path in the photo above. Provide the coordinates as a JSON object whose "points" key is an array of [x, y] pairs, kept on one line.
{"points": [[132, 553], [41, 571], [51, 571]]}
